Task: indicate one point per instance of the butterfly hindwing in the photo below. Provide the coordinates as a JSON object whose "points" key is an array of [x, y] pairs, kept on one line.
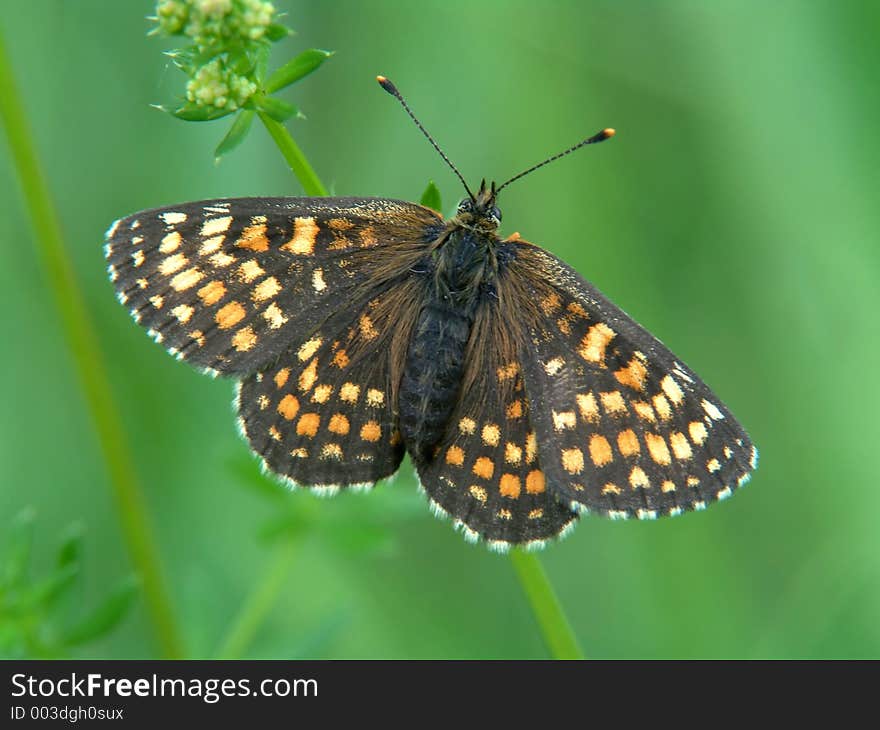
{"points": [[623, 427], [228, 284], [487, 472], [322, 414]]}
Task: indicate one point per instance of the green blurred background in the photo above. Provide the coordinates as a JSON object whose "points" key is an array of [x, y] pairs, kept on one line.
{"points": [[735, 215]]}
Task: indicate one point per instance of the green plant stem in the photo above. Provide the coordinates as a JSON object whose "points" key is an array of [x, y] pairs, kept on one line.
{"points": [[297, 161], [260, 602], [83, 343], [554, 625]]}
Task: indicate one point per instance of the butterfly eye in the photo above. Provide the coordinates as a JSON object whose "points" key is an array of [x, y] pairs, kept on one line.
{"points": [[495, 213]]}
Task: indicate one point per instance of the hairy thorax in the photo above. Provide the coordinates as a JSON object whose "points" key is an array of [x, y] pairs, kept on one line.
{"points": [[460, 272]]}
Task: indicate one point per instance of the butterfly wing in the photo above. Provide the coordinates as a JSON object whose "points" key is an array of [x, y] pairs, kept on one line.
{"points": [[487, 472], [623, 427], [322, 414], [228, 285]]}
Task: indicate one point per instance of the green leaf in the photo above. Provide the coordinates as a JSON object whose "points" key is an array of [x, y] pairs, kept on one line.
{"points": [[276, 32], [18, 552], [193, 113], [104, 617], [45, 592], [431, 197], [294, 70], [278, 109], [236, 134], [249, 473]]}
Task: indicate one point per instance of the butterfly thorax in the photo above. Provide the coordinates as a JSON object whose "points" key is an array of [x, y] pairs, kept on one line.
{"points": [[459, 275]]}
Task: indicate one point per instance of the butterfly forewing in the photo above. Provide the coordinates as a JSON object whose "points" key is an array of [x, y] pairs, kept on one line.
{"points": [[487, 472], [230, 284], [623, 427]]}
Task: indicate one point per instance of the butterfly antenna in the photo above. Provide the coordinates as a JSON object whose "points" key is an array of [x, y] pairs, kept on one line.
{"points": [[392, 89], [599, 137]]}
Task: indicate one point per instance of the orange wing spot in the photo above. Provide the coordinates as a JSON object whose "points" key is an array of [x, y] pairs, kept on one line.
{"points": [[340, 224], [667, 486], [229, 315], [613, 403], [198, 336], [339, 424], [536, 514], [713, 465], [564, 420], [455, 456], [249, 270], [506, 372], [712, 410], [157, 301], [531, 448], [371, 431], [509, 485], [288, 407], [661, 405], [308, 376], [514, 410], [573, 460], [638, 478], [504, 514], [254, 238], [221, 259], [491, 434], [644, 411], [274, 433], [309, 348], [331, 451], [484, 467], [169, 265], [266, 289], [697, 430], [322, 393], [672, 390], [633, 375], [478, 493], [680, 446], [577, 310], [550, 304], [366, 327], [300, 453], [213, 226], [349, 392], [318, 283], [467, 425], [657, 448], [610, 489], [535, 482], [170, 242], [281, 377], [183, 313], [263, 401], [273, 316], [395, 437], [340, 359], [211, 245], [693, 482], [512, 453], [628, 443], [212, 292], [554, 366], [303, 241], [600, 450], [244, 339], [186, 279], [593, 345], [368, 237], [586, 404], [375, 398], [308, 424]]}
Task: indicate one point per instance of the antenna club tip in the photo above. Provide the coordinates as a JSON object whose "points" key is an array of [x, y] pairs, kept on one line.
{"points": [[387, 85], [608, 132]]}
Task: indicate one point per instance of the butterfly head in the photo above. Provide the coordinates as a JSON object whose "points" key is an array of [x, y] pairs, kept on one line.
{"points": [[481, 211]]}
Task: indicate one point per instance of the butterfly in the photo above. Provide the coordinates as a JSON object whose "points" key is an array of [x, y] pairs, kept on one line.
{"points": [[361, 329]]}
